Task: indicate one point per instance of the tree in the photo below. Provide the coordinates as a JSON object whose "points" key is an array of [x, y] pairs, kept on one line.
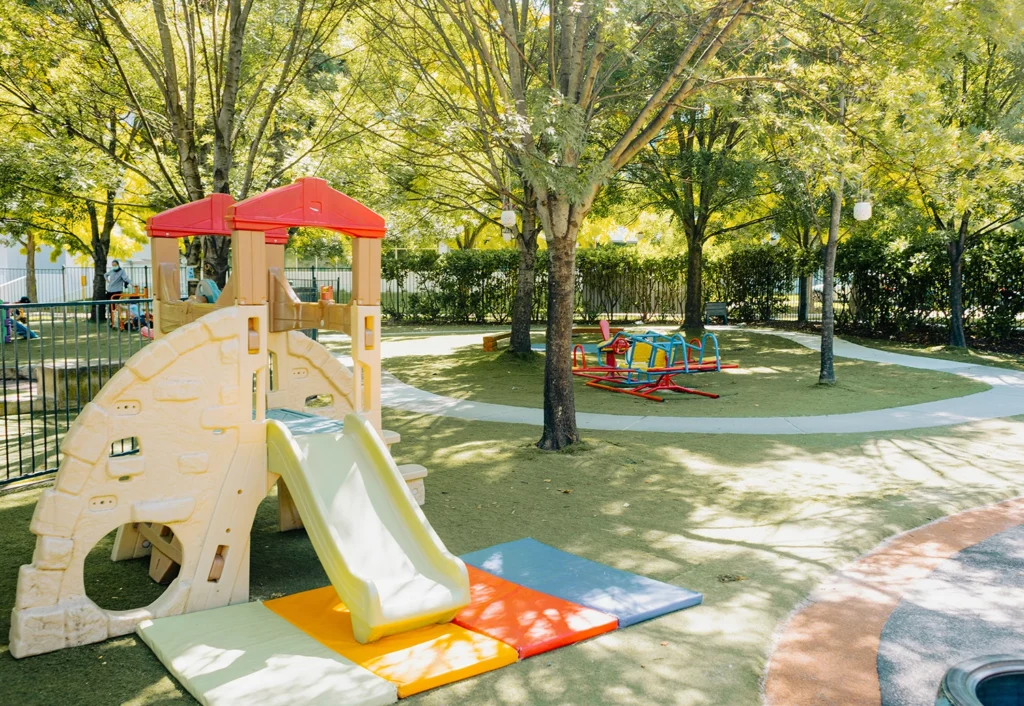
{"points": [[953, 135], [698, 170], [451, 152], [575, 91], [77, 142], [232, 82]]}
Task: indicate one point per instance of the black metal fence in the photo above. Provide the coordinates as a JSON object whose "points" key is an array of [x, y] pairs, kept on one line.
{"points": [[54, 359]]}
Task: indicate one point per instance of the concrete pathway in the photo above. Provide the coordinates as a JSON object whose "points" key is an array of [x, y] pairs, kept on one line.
{"points": [[1005, 399]]}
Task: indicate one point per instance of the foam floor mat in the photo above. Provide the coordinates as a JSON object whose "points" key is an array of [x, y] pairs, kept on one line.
{"points": [[629, 597], [415, 661], [530, 621], [245, 654]]}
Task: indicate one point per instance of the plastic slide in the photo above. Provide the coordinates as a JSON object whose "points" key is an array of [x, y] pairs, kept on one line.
{"points": [[383, 558]]}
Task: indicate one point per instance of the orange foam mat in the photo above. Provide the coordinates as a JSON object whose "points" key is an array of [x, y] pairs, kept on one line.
{"points": [[528, 620], [414, 661]]}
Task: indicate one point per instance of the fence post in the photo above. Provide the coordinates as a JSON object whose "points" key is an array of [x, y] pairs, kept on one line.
{"points": [[312, 275], [63, 283]]}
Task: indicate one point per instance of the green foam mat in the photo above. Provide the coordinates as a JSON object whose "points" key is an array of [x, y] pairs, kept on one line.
{"points": [[247, 655]]}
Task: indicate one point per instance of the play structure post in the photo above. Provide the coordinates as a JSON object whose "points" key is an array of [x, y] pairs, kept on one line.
{"points": [[365, 329], [249, 266], [166, 277]]}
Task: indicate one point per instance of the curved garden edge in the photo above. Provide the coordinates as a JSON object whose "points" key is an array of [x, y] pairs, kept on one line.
{"points": [[826, 651], [1004, 399]]}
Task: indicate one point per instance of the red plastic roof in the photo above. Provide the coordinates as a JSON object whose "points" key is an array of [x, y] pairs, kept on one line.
{"points": [[306, 202], [206, 216], [202, 217]]}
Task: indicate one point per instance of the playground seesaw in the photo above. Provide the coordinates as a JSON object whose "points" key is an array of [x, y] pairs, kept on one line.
{"points": [[645, 365]]}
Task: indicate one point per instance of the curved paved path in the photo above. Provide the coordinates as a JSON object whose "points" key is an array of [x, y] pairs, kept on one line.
{"points": [[828, 651], [1005, 399]]}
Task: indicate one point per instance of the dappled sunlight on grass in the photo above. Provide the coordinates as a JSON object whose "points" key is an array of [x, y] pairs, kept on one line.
{"points": [[752, 522], [776, 378]]}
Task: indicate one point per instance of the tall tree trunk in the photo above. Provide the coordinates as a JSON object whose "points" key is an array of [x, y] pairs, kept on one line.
{"points": [[522, 308], [955, 248], [827, 376], [218, 250], [694, 318], [561, 221], [30, 265], [100, 248], [803, 307]]}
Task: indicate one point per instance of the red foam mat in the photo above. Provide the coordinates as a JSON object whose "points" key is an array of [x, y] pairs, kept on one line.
{"points": [[530, 621]]}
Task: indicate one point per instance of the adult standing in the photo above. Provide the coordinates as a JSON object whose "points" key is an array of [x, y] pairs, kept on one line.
{"points": [[117, 280]]}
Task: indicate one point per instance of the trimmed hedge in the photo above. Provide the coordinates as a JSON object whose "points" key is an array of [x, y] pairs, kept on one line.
{"points": [[893, 287], [476, 286], [885, 285]]}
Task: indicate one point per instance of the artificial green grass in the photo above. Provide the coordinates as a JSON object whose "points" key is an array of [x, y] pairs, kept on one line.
{"points": [[960, 355], [753, 522], [69, 335], [776, 378]]}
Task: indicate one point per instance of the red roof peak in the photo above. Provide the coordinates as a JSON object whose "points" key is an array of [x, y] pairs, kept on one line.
{"points": [[309, 201]]}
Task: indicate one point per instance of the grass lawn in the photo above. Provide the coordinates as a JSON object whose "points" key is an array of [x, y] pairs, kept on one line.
{"points": [[999, 360], [776, 377], [71, 336], [752, 522]]}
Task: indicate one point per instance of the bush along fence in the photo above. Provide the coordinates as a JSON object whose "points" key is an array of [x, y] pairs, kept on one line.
{"points": [[895, 288], [479, 286]]}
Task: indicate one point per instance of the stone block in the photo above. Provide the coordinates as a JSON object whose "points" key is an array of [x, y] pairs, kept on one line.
{"points": [[53, 553], [193, 463], [131, 466], [87, 439], [178, 390], [152, 360], [84, 623], [37, 587], [72, 475], [56, 514], [36, 630]]}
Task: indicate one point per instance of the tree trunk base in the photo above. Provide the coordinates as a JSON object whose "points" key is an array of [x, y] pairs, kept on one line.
{"points": [[555, 441]]}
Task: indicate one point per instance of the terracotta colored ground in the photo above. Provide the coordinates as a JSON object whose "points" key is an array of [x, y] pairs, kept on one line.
{"points": [[827, 653]]}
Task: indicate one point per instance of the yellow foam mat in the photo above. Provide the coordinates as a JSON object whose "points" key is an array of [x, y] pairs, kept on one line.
{"points": [[414, 661]]}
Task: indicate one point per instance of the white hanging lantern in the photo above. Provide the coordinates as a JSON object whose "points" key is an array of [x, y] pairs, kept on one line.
{"points": [[442, 248], [507, 235], [508, 218], [862, 210]]}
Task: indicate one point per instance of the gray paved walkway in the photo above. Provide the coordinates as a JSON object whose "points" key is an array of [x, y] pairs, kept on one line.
{"points": [[1005, 399]]}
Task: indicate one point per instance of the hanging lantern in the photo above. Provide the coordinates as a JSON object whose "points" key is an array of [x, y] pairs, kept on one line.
{"points": [[508, 218], [506, 234], [862, 210]]}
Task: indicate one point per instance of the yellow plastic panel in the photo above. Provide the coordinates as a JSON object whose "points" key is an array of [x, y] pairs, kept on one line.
{"points": [[414, 661]]}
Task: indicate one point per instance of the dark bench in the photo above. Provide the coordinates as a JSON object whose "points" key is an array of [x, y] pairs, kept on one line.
{"points": [[716, 309]]}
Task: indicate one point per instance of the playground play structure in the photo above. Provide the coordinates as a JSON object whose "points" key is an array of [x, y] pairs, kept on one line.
{"points": [[646, 364], [231, 399]]}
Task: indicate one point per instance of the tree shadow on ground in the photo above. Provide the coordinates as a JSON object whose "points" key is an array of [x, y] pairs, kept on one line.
{"points": [[754, 523]]}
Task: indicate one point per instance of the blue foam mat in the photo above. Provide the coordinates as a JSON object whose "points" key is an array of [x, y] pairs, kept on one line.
{"points": [[629, 597]]}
